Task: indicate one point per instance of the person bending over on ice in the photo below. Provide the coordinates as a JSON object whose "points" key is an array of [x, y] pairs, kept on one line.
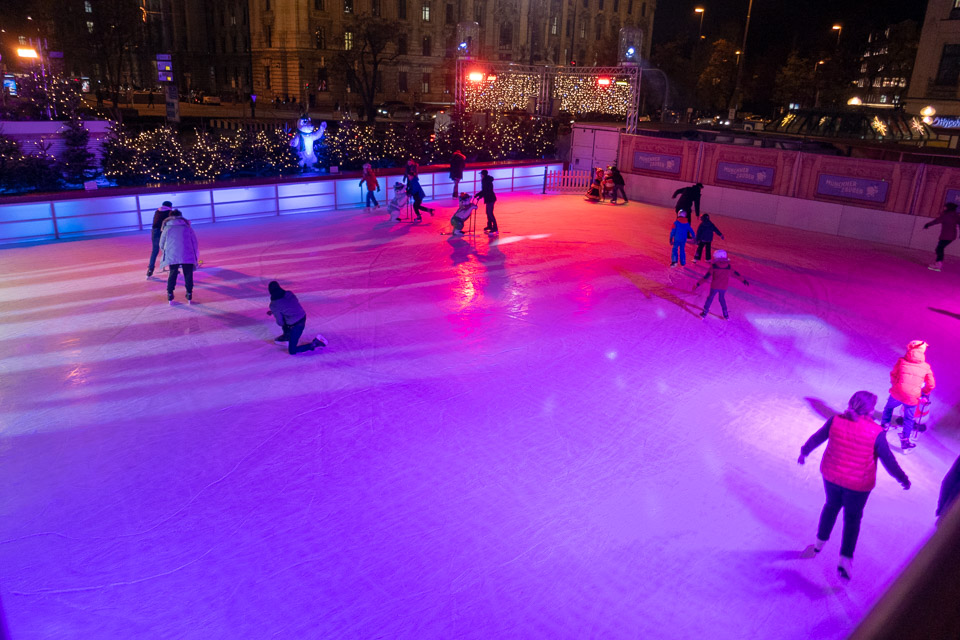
{"points": [[679, 234], [719, 275], [911, 379], [849, 467], [594, 190], [705, 237], [689, 198], [370, 179], [180, 251], [398, 201], [949, 220], [286, 310], [462, 213]]}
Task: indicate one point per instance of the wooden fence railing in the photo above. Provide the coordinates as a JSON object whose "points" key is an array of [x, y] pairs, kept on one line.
{"points": [[566, 181]]}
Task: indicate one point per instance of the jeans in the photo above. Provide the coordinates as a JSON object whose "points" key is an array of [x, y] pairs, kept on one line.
{"points": [[940, 247], [618, 188], [491, 221], [908, 413], [679, 250], [293, 333], [700, 247], [155, 239], [457, 223], [852, 503], [723, 301], [371, 197], [187, 277]]}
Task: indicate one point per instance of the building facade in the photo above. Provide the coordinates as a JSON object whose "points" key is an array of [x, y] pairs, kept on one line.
{"points": [[935, 81], [885, 67]]}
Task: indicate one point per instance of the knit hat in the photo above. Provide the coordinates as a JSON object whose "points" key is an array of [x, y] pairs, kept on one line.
{"points": [[681, 214], [367, 167], [398, 185], [917, 344], [705, 217], [167, 204], [276, 291], [464, 195], [720, 254], [862, 403]]}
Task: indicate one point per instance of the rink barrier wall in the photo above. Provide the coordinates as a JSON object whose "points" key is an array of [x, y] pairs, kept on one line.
{"points": [[876, 200], [33, 218]]}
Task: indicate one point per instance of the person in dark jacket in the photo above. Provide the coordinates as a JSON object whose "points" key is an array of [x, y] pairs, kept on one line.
{"points": [[457, 164], [949, 489], [719, 275], [489, 198], [161, 214], [705, 237], [416, 192], [618, 185], [849, 468], [689, 198], [949, 220], [286, 310]]}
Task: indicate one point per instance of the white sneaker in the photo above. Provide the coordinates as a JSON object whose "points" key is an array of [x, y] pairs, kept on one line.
{"points": [[320, 340], [845, 568], [818, 545], [936, 266]]}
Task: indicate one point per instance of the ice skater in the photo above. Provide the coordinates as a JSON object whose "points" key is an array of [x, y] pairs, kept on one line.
{"points": [[595, 190], [289, 314], [618, 185], [399, 201], [949, 220], [412, 170], [489, 199], [689, 198], [370, 179], [705, 237], [719, 275], [416, 192], [608, 185], [911, 379], [180, 251], [458, 163], [679, 234], [849, 469], [161, 214], [462, 214]]}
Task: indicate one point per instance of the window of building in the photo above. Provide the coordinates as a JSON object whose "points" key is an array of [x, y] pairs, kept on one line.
{"points": [[599, 29], [266, 77], [321, 38], [402, 9], [347, 40], [348, 6], [447, 82], [949, 70], [233, 21], [402, 81], [583, 29], [554, 25], [425, 12], [425, 83], [629, 6], [599, 5], [616, 6], [427, 46], [643, 9], [87, 7], [318, 5], [506, 35], [402, 44], [268, 35], [89, 27], [323, 78], [449, 17], [883, 99], [266, 5], [478, 12], [569, 28], [375, 7], [586, 4]]}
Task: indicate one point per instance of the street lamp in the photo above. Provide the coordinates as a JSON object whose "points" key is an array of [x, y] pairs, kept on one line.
{"points": [[735, 98], [839, 29], [738, 52], [701, 11], [816, 85]]}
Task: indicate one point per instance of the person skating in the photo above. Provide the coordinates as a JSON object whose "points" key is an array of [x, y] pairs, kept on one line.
{"points": [[679, 234], [417, 193], [457, 164], [161, 214], [180, 251], [719, 275], [289, 314], [949, 220], [370, 179], [412, 170], [398, 202], [705, 237], [462, 214], [910, 379], [595, 190], [949, 489], [489, 199], [618, 185], [608, 185], [689, 198], [849, 468]]}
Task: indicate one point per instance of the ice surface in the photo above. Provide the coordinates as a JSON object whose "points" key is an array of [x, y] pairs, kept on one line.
{"points": [[530, 437]]}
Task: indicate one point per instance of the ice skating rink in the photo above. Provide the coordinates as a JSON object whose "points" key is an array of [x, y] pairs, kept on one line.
{"points": [[530, 437]]}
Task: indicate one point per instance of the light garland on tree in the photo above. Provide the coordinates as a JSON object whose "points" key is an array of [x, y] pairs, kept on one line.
{"points": [[584, 94], [503, 92]]}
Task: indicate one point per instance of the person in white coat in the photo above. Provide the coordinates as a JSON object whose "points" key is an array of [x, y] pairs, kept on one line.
{"points": [[179, 245]]}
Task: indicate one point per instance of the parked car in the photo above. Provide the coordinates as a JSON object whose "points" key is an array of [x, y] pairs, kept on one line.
{"points": [[386, 109]]}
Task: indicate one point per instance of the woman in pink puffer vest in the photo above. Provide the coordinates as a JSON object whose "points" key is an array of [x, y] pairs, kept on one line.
{"points": [[910, 379]]}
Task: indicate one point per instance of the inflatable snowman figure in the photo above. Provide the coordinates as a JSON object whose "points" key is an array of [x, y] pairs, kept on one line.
{"points": [[305, 140]]}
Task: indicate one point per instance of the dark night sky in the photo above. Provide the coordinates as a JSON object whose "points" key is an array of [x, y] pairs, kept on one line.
{"points": [[776, 25]]}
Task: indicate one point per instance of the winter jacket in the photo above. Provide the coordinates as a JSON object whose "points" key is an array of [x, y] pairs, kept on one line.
{"points": [[414, 188], [719, 275], [486, 190], [853, 447], [706, 230], [680, 232], [457, 163], [371, 180], [689, 197], [161, 214], [464, 210], [178, 242], [911, 377], [948, 221], [287, 310], [617, 177]]}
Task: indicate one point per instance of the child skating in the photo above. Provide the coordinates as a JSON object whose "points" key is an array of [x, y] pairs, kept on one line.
{"points": [[462, 214], [370, 179], [705, 237], [398, 202], [911, 379], [286, 310], [679, 234], [719, 276]]}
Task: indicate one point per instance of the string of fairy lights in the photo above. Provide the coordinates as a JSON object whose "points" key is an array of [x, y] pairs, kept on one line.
{"points": [[586, 94], [501, 92]]}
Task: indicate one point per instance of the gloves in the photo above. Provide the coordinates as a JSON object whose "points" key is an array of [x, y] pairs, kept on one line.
{"points": [[801, 459], [906, 485], [269, 313]]}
